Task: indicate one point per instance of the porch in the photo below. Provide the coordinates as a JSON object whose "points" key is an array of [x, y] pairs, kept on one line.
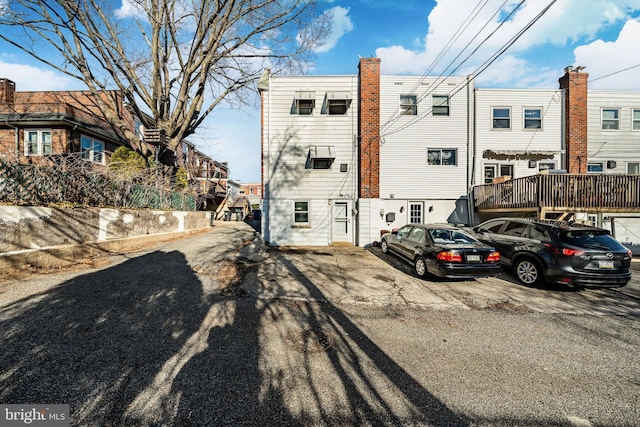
{"points": [[559, 196]]}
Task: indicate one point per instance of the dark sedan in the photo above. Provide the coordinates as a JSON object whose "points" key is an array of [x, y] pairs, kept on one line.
{"points": [[443, 251]]}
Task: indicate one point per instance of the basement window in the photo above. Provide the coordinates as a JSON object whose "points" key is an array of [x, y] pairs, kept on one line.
{"points": [[338, 102]]}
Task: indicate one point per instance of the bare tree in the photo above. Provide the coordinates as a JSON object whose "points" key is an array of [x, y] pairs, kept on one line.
{"points": [[174, 61]]}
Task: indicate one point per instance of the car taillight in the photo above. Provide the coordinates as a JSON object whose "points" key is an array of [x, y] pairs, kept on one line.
{"points": [[449, 256], [629, 253], [564, 251], [493, 256]]}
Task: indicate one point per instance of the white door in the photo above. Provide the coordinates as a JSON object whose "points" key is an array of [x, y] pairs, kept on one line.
{"points": [[340, 231]]}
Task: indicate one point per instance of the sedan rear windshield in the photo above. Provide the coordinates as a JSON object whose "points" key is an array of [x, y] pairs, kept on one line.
{"points": [[590, 240]]}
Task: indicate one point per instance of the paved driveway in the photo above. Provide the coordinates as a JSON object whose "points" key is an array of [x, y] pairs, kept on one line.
{"points": [[352, 275]]}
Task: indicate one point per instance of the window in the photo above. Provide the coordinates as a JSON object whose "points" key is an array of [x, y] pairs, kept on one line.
{"points": [[441, 156], [542, 166], [595, 167], [515, 229], [610, 119], [37, 142], [338, 102], [322, 157], [415, 212], [633, 168], [533, 118], [92, 150], [408, 105], [417, 234], [501, 117], [304, 103], [490, 172], [635, 119], [301, 212], [440, 105], [492, 226]]}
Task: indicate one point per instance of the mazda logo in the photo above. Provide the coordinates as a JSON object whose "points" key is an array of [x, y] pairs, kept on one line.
{"points": [[609, 255]]}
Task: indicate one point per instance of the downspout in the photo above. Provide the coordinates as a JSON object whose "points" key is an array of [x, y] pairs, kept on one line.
{"points": [[17, 137], [471, 122]]}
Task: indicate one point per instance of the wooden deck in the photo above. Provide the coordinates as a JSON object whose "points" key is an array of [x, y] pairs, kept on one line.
{"points": [[552, 195]]}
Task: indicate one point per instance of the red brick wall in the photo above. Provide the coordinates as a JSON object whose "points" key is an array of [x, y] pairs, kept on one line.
{"points": [[575, 85], [369, 128]]}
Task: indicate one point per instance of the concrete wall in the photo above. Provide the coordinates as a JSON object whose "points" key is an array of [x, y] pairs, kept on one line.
{"points": [[44, 237]]}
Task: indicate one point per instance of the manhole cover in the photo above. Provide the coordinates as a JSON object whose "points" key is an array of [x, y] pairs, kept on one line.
{"points": [[313, 340]]}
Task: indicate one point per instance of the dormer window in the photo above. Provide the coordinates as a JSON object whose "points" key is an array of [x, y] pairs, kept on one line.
{"points": [[304, 103]]}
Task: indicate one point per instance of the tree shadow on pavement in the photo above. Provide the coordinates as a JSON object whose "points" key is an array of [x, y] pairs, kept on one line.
{"points": [[148, 342]]}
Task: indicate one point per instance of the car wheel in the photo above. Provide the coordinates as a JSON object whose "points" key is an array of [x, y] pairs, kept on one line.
{"points": [[420, 267], [384, 246], [528, 271]]}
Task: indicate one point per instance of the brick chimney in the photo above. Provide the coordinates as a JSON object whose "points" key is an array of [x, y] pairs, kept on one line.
{"points": [[7, 90], [575, 85], [369, 128]]}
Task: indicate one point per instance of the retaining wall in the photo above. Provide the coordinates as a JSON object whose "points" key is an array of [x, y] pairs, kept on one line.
{"points": [[43, 237]]}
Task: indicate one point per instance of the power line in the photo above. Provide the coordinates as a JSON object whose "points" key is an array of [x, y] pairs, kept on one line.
{"points": [[615, 72], [482, 67], [395, 117]]}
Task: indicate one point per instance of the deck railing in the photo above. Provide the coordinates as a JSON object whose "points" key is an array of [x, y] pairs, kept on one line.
{"points": [[561, 193]]}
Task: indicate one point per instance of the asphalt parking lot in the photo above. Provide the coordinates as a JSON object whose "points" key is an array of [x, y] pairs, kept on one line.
{"points": [[217, 329], [344, 275]]}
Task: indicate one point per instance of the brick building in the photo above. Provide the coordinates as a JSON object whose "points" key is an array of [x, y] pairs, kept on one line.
{"points": [[36, 124]]}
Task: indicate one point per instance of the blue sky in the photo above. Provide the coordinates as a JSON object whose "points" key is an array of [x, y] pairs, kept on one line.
{"points": [[408, 36]]}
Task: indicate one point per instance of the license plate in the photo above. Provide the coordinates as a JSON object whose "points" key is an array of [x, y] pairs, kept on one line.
{"points": [[605, 264], [473, 258]]}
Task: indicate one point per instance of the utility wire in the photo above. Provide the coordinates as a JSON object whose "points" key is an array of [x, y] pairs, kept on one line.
{"points": [[482, 67], [438, 83], [614, 73]]}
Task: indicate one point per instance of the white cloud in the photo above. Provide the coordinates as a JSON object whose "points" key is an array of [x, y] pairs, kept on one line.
{"points": [[341, 24], [29, 78], [604, 58], [129, 9], [566, 24]]}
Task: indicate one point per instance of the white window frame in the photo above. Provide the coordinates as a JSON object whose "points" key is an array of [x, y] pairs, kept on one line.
{"points": [[41, 145], [633, 165], [497, 170], [494, 119], [441, 105], [408, 105], [89, 151], [537, 120], [431, 156], [635, 119], [297, 212], [614, 123]]}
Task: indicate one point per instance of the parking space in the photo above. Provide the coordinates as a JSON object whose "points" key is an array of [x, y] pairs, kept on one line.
{"points": [[348, 275]]}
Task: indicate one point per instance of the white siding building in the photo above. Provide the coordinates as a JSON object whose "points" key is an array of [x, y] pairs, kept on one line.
{"points": [[345, 157], [518, 132], [309, 159]]}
